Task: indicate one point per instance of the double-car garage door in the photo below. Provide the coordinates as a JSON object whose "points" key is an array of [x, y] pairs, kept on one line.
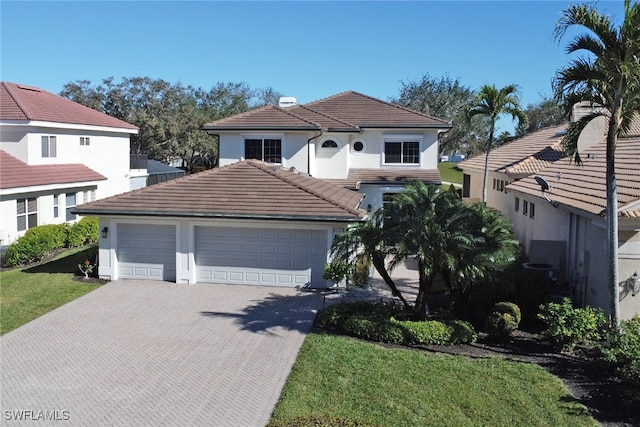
{"points": [[251, 256], [260, 256]]}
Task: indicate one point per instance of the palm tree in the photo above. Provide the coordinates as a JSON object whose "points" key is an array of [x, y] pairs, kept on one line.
{"points": [[609, 80], [492, 102]]}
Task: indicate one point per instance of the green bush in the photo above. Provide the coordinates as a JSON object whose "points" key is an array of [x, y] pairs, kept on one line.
{"points": [[335, 315], [504, 319], [567, 326], [461, 332], [622, 351], [36, 244], [375, 330], [429, 332], [361, 269], [321, 420], [83, 232]]}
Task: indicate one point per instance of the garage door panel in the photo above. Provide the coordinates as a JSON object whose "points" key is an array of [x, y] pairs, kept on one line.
{"points": [[146, 251], [267, 256]]}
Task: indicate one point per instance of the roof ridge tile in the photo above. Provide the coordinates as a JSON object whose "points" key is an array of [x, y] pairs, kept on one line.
{"points": [[330, 117]]}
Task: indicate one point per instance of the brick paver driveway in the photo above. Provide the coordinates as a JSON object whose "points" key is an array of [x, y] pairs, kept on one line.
{"points": [[153, 353]]}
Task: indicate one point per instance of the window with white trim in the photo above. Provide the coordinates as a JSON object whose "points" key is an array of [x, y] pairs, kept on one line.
{"points": [[532, 210], [27, 213], [84, 140], [402, 152], [329, 143], [525, 207], [265, 149], [56, 205], [70, 204], [49, 146]]}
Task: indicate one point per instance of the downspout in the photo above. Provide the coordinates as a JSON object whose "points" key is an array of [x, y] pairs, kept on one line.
{"points": [[309, 152]]}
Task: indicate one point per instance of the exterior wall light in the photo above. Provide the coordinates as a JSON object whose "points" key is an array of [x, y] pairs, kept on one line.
{"points": [[105, 232], [369, 208], [633, 284]]}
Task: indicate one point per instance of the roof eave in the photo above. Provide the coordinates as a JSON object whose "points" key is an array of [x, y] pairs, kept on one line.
{"points": [[259, 128]]}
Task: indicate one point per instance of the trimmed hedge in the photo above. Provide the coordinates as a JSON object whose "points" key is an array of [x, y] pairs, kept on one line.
{"points": [[39, 242], [504, 319], [384, 323]]}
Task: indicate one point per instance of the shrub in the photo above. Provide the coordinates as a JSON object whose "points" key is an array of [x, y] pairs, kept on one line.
{"points": [[82, 232], [335, 315], [429, 332], [321, 420], [375, 330], [36, 244], [504, 319], [461, 332], [567, 326], [361, 271], [622, 351], [336, 272]]}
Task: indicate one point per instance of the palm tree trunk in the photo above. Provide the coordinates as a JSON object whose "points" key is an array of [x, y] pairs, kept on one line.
{"points": [[486, 163], [424, 286], [612, 217], [378, 264]]}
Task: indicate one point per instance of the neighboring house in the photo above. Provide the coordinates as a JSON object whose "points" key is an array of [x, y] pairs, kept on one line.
{"points": [[55, 154], [160, 172], [246, 223], [352, 139], [564, 227]]}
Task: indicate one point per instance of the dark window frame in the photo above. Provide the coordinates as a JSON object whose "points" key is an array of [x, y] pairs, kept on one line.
{"points": [[265, 149], [408, 153]]}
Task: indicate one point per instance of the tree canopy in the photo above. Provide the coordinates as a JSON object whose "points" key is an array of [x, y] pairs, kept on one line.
{"points": [[169, 115], [608, 79], [544, 113], [446, 98]]}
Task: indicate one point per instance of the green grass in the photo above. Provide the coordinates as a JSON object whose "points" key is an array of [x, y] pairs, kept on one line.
{"points": [[401, 387], [28, 293], [449, 172]]}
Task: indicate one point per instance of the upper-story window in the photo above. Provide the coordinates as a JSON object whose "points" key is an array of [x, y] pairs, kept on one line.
{"points": [[27, 213], [402, 152], [266, 149], [85, 140], [359, 146], [329, 143], [49, 146]]}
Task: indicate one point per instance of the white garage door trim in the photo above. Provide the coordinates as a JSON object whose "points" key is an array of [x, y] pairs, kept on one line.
{"points": [[260, 256], [146, 251]]}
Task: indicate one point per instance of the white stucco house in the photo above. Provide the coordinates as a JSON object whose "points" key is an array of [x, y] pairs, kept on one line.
{"points": [[357, 141], [290, 179], [55, 154], [564, 226]]}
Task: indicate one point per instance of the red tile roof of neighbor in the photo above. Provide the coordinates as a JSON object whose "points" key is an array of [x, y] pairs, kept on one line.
{"points": [[248, 189], [15, 173], [346, 112], [26, 103], [525, 155], [583, 187]]}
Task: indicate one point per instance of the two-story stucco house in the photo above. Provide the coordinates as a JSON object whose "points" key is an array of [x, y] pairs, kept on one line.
{"points": [[55, 154], [355, 140], [269, 214]]}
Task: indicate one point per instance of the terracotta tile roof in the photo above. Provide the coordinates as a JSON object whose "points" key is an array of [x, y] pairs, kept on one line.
{"points": [[583, 187], [15, 173], [248, 189], [357, 177], [19, 102], [634, 128], [523, 156], [348, 111]]}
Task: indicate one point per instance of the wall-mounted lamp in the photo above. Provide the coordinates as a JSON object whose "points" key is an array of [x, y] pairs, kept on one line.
{"points": [[633, 284], [369, 208], [105, 232]]}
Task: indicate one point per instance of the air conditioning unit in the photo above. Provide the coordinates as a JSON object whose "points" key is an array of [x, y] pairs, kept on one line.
{"points": [[287, 101]]}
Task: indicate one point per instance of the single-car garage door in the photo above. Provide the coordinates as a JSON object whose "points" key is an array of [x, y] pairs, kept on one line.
{"points": [[147, 251], [261, 256]]}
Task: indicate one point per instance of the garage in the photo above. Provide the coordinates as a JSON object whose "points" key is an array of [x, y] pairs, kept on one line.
{"points": [[260, 256], [146, 251]]}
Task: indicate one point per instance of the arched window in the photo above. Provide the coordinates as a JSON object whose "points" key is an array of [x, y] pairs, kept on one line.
{"points": [[329, 143]]}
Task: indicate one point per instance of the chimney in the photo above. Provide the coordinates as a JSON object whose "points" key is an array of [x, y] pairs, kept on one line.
{"points": [[287, 101]]}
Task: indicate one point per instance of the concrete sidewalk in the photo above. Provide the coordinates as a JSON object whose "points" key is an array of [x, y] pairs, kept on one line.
{"points": [[155, 353]]}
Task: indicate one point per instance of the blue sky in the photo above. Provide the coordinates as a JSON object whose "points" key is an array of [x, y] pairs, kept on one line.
{"points": [[305, 49]]}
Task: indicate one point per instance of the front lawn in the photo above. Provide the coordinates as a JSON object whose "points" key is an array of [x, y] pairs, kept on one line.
{"points": [[30, 292], [343, 377]]}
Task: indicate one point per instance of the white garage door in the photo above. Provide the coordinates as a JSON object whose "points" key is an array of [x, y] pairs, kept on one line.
{"points": [[147, 251], [261, 256]]}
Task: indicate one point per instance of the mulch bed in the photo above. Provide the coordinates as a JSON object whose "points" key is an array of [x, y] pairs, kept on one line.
{"points": [[608, 400]]}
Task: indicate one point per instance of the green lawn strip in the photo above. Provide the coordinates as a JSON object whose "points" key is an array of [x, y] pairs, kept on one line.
{"points": [[401, 387], [449, 172], [28, 293]]}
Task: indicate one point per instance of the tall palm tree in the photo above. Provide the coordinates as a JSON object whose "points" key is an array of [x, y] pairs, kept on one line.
{"points": [[492, 103], [609, 80]]}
